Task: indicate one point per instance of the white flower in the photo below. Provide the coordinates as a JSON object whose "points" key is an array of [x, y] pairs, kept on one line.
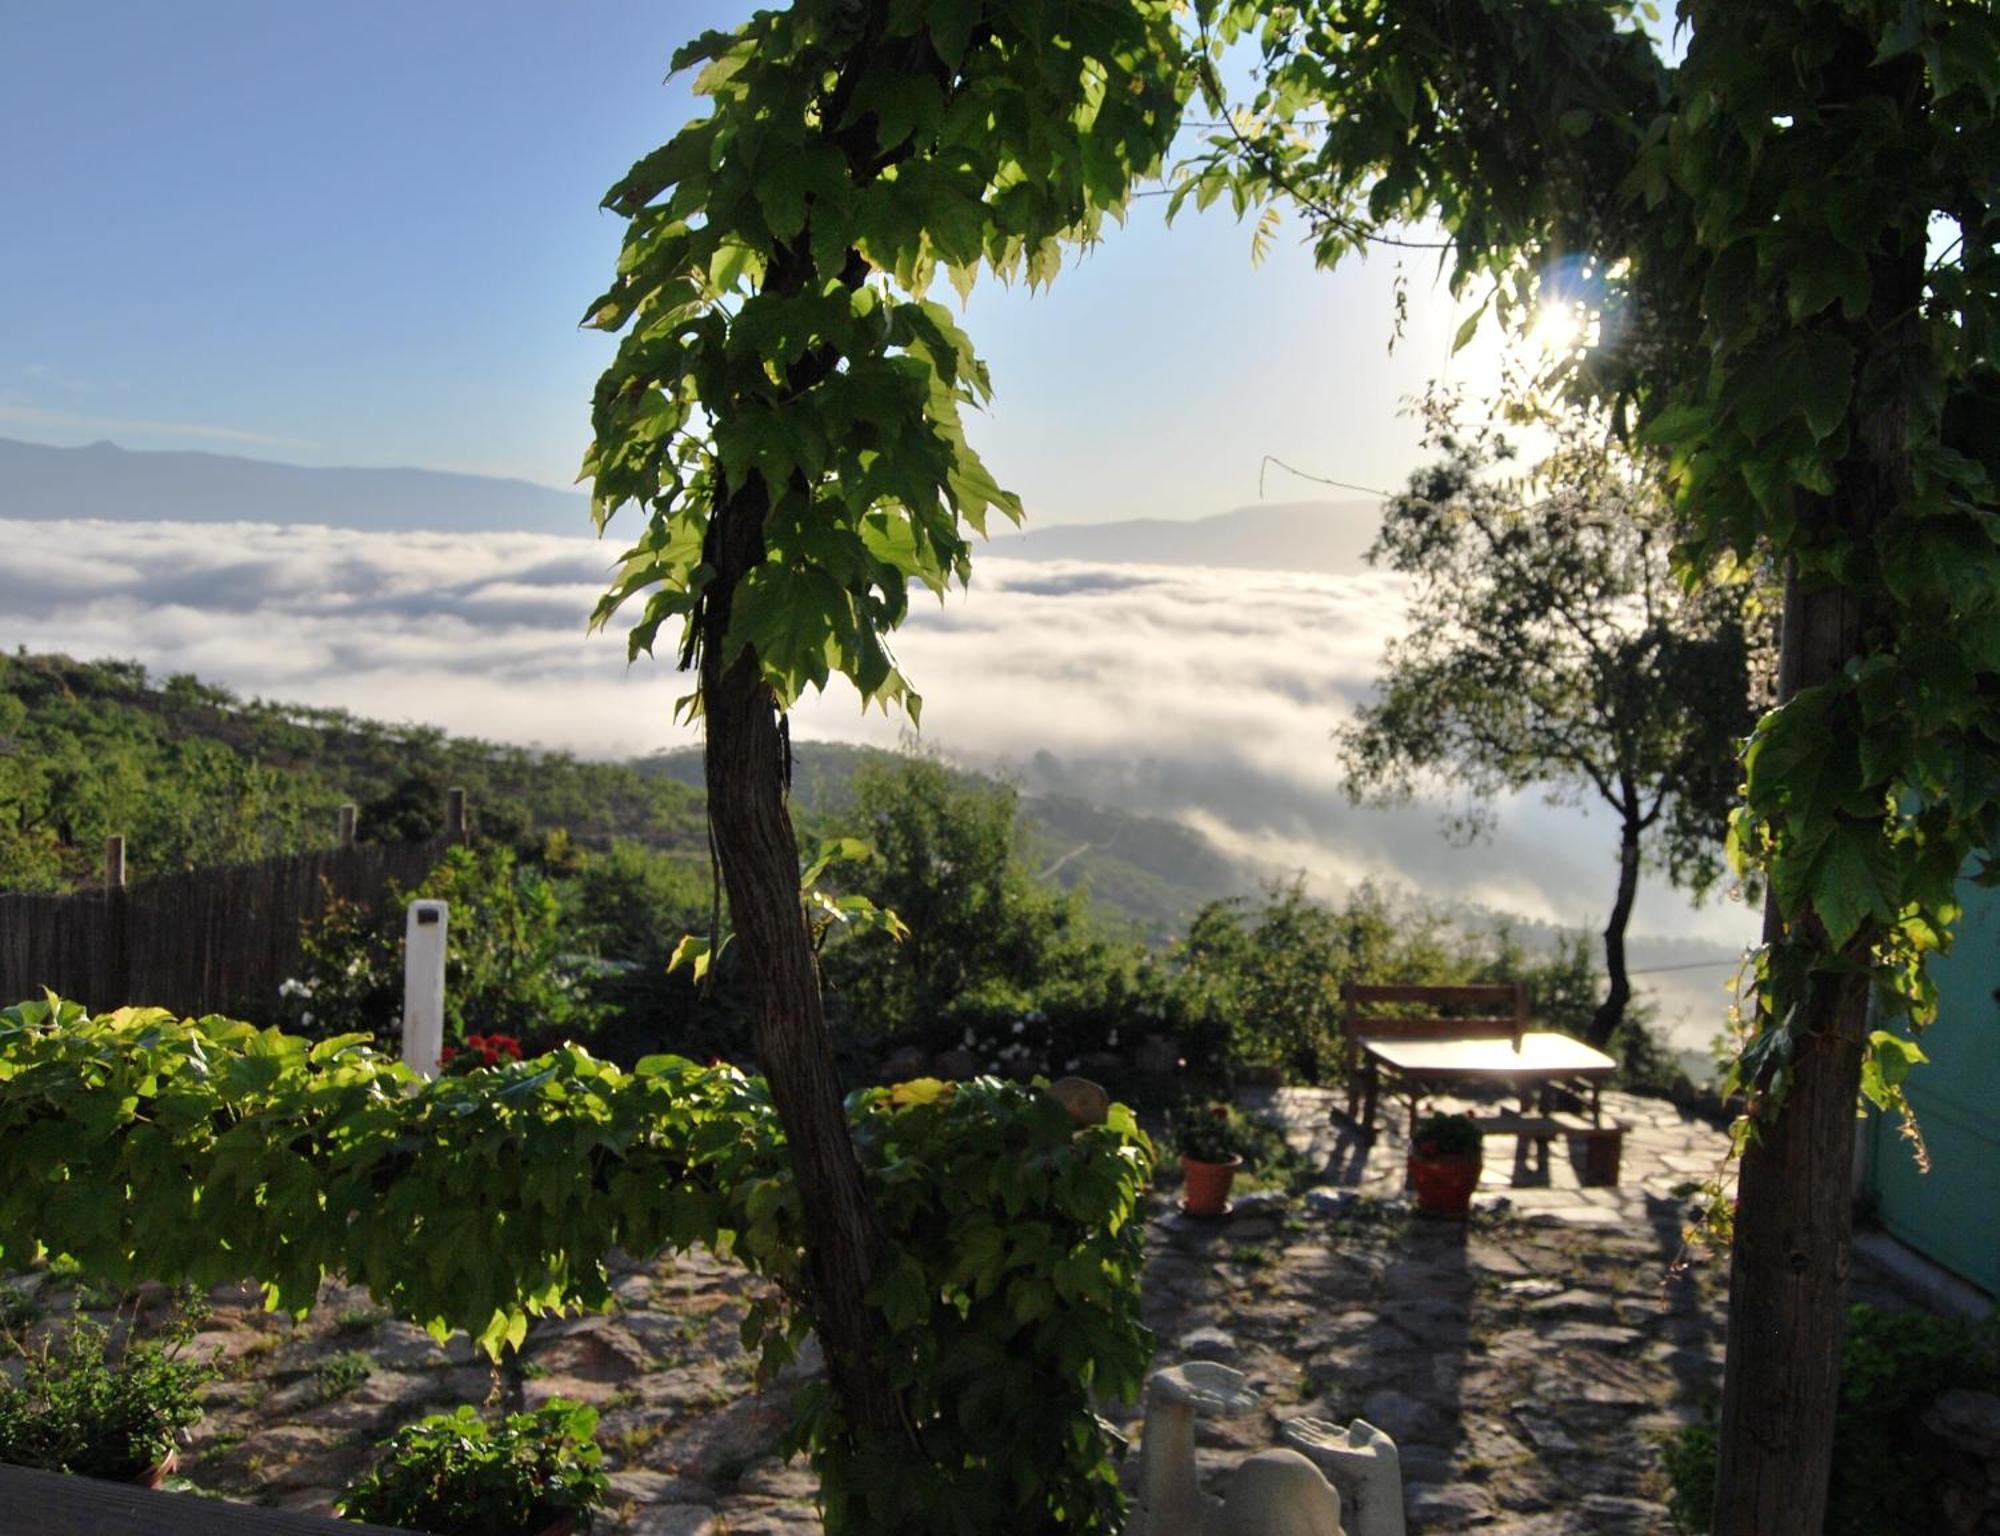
{"points": [[1020, 1027], [968, 1039], [1112, 1038]]}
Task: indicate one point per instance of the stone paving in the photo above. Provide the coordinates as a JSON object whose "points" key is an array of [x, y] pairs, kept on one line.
{"points": [[1529, 1361]]}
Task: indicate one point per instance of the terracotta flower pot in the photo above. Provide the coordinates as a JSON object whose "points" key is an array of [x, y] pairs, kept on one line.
{"points": [[1207, 1186], [1444, 1185]]}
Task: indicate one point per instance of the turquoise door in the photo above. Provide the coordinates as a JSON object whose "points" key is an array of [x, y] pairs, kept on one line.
{"points": [[1952, 1214]]}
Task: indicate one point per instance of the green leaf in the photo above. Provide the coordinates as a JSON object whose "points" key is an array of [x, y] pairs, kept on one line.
{"points": [[1853, 880]]}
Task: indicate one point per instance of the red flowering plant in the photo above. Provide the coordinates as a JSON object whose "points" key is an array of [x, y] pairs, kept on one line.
{"points": [[479, 1051], [1446, 1136]]}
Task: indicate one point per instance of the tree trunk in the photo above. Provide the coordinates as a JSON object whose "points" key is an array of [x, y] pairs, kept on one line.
{"points": [[1795, 1215], [746, 771], [1611, 1012]]}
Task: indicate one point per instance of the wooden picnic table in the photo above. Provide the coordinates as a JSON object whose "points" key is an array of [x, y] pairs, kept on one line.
{"points": [[1529, 1064]]}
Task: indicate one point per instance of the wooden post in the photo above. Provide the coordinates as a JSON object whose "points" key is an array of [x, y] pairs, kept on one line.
{"points": [[345, 838], [454, 814], [117, 980]]}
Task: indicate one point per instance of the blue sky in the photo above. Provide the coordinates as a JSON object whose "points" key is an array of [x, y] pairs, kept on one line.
{"points": [[362, 234]]}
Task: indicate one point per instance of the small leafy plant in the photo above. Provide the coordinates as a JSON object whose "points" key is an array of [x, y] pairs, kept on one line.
{"points": [[1212, 1133], [454, 1474], [340, 1374], [85, 1408], [1446, 1136]]}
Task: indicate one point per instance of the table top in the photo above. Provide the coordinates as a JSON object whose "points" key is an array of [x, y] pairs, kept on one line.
{"points": [[1541, 1053]]}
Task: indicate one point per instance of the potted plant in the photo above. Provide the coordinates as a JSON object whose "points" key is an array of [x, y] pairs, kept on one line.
{"points": [[454, 1474], [1445, 1163], [83, 1407], [1210, 1139]]}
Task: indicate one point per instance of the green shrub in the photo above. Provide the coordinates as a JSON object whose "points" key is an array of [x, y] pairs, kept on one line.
{"points": [[81, 1407], [1006, 1298], [1887, 1470], [454, 1474], [508, 966], [340, 1374]]}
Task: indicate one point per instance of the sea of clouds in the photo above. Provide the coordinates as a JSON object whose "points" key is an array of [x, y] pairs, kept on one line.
{"points": [[1204, 694]]}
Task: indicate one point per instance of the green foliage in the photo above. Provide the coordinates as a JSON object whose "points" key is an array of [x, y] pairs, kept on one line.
{"points": [[192, 775], [785, 388], [454, 1474], [192, 1150], [1445, 1136], [509, 968], [1888, 1471], [338, 1375], [81, 1407], [1785, 241], [1011, 1298]]}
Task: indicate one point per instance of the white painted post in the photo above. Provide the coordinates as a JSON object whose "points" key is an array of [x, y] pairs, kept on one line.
{"points": [[423, 986]]}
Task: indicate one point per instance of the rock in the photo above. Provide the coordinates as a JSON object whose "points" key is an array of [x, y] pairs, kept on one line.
{"points": [[1086, 1102], [1331, 1202], [902, 1064], [1447, 1508], [1614, 1515], [1967, 1420], [1532, 1290], [1267, 1204], [956, 1064], [1605, 1336], [1575, 1302], [1542, 1430], [1400, 1416], [677, 1520], [1208, 1344]]}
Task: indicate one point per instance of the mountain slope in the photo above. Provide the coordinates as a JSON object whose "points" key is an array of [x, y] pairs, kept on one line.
{"points": [[119, 484], [1327, 537]]}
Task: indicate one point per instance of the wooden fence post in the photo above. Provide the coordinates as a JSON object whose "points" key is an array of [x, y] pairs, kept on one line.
{"points": [[345, 837], [117, 931], [454, 814]]}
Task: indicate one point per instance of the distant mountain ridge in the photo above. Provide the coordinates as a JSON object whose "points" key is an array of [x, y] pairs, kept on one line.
{"points": [[1324, 537], [104, 481]]}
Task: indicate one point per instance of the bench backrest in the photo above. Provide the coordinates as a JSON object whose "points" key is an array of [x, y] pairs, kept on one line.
{"points": [[1418, 1013]]}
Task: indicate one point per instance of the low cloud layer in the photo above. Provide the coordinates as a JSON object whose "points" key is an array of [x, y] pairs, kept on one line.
{"points": [[1200, 693]]}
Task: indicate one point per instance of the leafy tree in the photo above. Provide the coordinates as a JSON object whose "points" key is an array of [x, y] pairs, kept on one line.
{"points": [[942, 856], [785, 410], [1751, 229], [1551, 644]]}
